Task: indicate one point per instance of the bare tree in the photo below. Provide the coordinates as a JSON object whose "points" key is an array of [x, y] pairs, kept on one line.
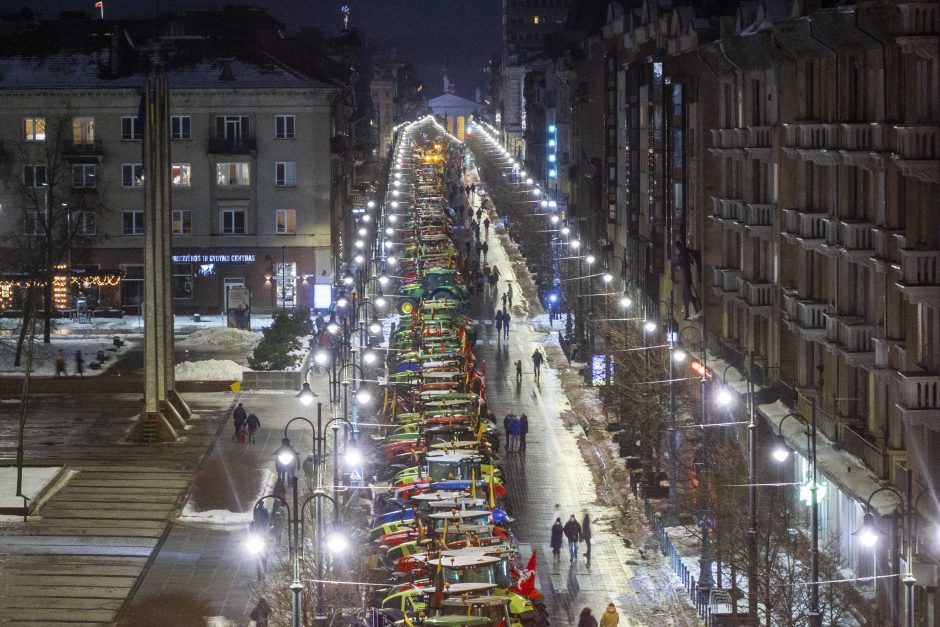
{"points": [[54, 184]]}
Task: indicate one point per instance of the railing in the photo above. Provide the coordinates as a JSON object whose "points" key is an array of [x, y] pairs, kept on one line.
{"points": [[857, 236], [812, 314], [728, 138], [791, 304], [917, 142], [920, 390], [861, 447], [757, 215], [729, 279], [850, 333], [885, 244], [811, 136], [758, 137], [812, 225], [832, 231], [755, 294], [791, 219], [920, 267], [918, 18], [232, 145], [89, 147], [863, 137]]}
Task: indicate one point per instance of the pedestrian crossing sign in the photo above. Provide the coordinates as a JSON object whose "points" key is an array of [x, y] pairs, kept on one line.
{"points": [[356, 474]]}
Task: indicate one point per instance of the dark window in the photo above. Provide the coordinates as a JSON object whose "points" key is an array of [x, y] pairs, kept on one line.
{"points": [[132, 128]]}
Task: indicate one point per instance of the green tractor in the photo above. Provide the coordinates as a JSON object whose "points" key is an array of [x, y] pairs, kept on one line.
{"points": [[438, 284]]}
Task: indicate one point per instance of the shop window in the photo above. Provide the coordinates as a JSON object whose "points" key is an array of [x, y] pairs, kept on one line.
{"points": [[34, 129], [132, 285], [286, 222], [232, 174], [182, 280], [132, 175], [182, 222], [181, 127], [132, 128], [181, 173], [286, 279], [233, 221]]}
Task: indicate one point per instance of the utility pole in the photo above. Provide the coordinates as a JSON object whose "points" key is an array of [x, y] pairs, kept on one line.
{"points": [[752, 582]]}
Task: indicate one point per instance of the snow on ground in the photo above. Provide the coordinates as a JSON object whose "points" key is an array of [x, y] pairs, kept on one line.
{"points": [[34, 481], [209, 370], [45, 354], [220, 337], [134, 324], [223, 518]]}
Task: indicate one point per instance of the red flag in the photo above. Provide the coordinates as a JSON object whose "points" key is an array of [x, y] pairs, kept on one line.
{"points": [[526, 583]]}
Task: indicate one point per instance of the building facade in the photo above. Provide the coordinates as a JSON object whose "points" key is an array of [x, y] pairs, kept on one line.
{"points": [[251, 183]]}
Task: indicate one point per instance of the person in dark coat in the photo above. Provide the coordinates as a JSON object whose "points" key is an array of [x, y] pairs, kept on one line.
{"points": [[79, 364], [240, 417], [261, 613], [523, 430], [253, 423], [506, 422], [506, 319], [586, 535], [573, 533], [557, 533], [484, 249], [537, 363], [499, 325], [587, 619]]}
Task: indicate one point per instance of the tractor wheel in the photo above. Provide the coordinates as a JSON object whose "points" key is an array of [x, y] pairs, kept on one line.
{"points": [[407, 305]]}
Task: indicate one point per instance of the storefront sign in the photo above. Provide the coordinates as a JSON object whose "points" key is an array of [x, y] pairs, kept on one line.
{"points": [[214, 258]]}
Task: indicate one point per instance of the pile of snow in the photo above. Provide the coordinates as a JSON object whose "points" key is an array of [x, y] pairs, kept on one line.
{"points": [[223, 518], [209, 370], [34, 481], [220, 337]]}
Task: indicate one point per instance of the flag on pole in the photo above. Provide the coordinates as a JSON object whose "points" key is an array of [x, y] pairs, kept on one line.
{"points": [[492, 488], [473, 484]]}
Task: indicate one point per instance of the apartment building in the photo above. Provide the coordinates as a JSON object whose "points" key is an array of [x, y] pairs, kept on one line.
{"points": [[775, 169], [250, 166]]}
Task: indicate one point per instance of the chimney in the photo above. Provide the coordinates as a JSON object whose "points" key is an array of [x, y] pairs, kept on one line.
{"points": [[114, 55]]}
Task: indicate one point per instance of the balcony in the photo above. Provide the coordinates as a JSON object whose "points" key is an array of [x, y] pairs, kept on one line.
{"points": [[917, 152], [91, 148], [831, 245], [725, 280], [811, 318], [232, 145], [852, 337], [886, 247], [757, 219], [791, 312], [919, 28], [858, 241], [806, 227], [863, 145], [812, 141], [728, 142], [755, 294], [920, 276], [759, 142], [890, 354], [920, 398], [725, 210]]}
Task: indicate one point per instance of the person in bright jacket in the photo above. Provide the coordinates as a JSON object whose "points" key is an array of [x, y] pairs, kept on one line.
{"points": [[610, 617]]}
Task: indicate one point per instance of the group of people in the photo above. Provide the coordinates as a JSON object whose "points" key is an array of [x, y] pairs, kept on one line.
{"points": [[502, 324], [516, 428], [575, 533], [60, 370], [610, 617], [246, 425]]}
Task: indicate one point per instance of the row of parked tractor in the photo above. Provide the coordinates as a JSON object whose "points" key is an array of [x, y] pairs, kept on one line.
{"points": [[441, 529]]}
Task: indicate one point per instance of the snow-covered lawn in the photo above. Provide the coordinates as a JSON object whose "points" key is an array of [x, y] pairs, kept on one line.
{"points": [[210, 370], [34, 481], [223, 518], [220, 337], [45, 354], [134, 324]]}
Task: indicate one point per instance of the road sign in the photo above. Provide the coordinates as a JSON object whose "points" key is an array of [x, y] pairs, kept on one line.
{"points": [[356, 474]]}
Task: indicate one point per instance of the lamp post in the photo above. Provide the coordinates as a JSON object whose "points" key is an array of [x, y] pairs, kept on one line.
{"points": [[672, 509], [781, 453], [256, 545], [869, 534]]}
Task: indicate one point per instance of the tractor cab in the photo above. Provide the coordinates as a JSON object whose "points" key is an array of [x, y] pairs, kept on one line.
{"points": [[493, 608], [442, 467]]}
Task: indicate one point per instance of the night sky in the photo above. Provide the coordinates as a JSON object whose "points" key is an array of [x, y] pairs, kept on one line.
{"points": [[432, 34]]}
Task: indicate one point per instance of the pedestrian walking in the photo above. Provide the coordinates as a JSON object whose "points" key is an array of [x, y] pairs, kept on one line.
{"points": [[478, 281], [485, 248], [610, 618], [506, 319], [523, 430], [79, 364], [509, 294], [486, 226], [587, 619], [261, 613], [504, 301], [283, 469], [555, 543], [499, 325], [239, 417], [253, 423], [479, 213], [537, 362], [518, 371], [278, 522], [480, 250], [509, 417], [586, 535], [515, 435], [573, 533], [60, 366]]}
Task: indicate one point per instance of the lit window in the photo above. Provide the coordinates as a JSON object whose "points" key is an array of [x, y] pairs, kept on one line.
{"points": [[83, 131], [233, 221], [182, 222], [132, 128], [132, 175], [133, 222], [181, 175], [535, 19], [237, 174], [34, 129], [181, 127], [83, 175], [284, 127], [182, 280], [286, 222], [551, 158], [285, 173], [34, 175]]}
